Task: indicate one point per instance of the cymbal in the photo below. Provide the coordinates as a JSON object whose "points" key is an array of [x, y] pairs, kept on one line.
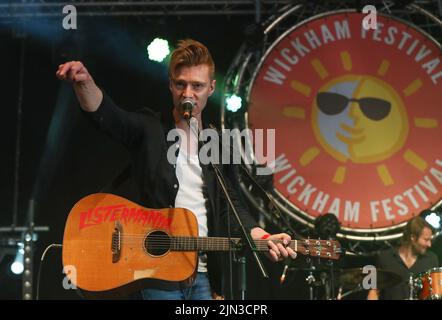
{"points": [[306, 269], [351, 278]]}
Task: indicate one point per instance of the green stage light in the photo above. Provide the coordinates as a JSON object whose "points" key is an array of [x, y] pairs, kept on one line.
{"points": [[233, 103], [158, 49]]}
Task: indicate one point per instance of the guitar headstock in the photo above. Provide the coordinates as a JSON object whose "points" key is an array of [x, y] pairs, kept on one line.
{"points": [[327, 249]]}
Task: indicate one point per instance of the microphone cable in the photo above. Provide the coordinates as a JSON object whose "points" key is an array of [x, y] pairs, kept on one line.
{"points": [[54, 245]]}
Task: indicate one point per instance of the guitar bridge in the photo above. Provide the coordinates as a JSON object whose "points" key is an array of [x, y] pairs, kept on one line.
{"points": [[116, 242]]}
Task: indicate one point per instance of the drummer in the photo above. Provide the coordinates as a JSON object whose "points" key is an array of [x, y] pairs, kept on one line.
{"points": [[411, 256]]}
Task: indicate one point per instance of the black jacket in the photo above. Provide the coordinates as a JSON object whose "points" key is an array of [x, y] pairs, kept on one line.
{"points": [[389, 260], [144, 134]]}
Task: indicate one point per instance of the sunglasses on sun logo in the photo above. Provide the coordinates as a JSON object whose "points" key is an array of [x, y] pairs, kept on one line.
{"points": [[332, 103]]}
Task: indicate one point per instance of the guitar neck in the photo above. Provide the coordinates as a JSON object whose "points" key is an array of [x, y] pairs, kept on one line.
{"points": [[204, 244], [311, 247], [217, 244]]}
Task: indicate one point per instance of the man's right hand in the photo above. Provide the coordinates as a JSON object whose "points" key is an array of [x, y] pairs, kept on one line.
{"points": [[88, 94]]}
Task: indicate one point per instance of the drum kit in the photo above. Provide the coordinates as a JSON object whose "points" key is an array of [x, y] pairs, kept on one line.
{"points": [[423, 286], [427, 285]]}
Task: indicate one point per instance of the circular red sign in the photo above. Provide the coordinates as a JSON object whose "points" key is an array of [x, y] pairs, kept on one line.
{"points": [[357, 115]]}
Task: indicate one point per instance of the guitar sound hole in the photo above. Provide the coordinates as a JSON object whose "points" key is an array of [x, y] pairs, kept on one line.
{"points": [[157, 243]]}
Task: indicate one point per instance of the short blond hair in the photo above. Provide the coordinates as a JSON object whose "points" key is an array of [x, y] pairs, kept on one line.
{"points": [[190, 53]]}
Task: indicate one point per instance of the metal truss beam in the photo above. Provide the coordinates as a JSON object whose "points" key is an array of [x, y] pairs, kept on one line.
{"points": [[48, 8], [53, 8]]}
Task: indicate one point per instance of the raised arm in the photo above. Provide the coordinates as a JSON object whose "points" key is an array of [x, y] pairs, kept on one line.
{"points": [[88, 94], [121, 125]]}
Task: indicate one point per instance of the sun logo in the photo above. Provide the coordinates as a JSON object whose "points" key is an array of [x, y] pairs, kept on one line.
{"points": [[357, 115], [360, 118]]}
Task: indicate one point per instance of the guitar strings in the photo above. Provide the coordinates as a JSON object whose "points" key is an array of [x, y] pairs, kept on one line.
{"points": [[166, 242], [300, 242], [323, 243]]}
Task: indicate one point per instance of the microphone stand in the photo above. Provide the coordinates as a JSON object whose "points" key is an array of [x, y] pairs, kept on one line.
{"points": [[332, 279], [277, 212], [248, 239], [250, 243], [311, 283], [285, 225]]}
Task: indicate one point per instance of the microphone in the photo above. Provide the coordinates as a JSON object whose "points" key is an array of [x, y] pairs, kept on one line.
{"points": [[187, 106]]}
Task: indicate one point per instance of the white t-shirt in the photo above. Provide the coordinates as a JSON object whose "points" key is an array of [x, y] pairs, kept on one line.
{"points": [[190, 192]]}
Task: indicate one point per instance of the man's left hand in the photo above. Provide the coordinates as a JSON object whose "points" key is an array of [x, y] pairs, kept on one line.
{"points": [[279, 247]]}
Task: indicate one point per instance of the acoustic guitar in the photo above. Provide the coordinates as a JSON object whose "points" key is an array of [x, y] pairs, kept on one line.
{"points": [[112, 243]]}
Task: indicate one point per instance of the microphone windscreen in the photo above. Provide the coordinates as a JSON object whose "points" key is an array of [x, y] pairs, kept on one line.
{"points": [[187, 106]]}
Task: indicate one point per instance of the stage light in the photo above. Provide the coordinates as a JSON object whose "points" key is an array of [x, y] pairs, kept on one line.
{"points": [[17, 266], [158, 49], [233, 103], [433, 218]]}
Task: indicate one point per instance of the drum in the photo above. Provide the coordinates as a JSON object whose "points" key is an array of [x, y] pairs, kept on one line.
{"points": [[429, 284]]}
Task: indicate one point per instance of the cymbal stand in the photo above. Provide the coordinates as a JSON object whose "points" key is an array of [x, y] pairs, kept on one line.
{"points": [[411, 287], [311, 281], [326, 284], [342, 295]]}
